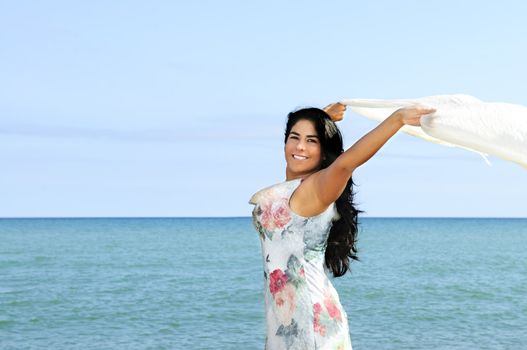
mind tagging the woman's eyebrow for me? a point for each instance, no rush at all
(297, 134)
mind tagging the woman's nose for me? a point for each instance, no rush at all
(301, 145)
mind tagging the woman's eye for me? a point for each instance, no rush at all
(312, 140)
(293, 137)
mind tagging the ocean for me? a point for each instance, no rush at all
(196, 283)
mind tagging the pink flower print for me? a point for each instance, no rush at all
(275, 214)
(302, 273)
(285, 304)
(316, 309)
(277, 281)
(317, 327)
(333, 310)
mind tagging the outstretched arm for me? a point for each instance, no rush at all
(370, 143)
(329, 183)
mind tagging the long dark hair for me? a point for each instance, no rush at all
(341, 246)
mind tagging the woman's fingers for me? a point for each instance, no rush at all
(412, 115)
(423, 109)
(427, 111)
(335, 111)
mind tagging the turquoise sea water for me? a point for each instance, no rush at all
(197, 284)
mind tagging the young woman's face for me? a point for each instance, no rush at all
(302, 150)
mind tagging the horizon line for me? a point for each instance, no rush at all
(248, 217)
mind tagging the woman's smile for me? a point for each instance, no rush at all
(299, 157)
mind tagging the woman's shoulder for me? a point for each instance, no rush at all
(278, 189)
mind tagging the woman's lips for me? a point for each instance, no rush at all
(297, 157)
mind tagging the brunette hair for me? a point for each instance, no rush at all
(341, 244)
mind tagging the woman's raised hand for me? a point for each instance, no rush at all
(336, 111)
(412, 115)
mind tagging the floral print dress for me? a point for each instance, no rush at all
(302, 307)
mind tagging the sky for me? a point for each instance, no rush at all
(178, 108)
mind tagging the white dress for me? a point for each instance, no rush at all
(302, 307)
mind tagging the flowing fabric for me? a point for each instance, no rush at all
(498, 129)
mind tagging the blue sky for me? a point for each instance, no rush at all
(177, 108)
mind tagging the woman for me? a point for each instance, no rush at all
(308, 226)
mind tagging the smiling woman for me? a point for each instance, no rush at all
(308, 227)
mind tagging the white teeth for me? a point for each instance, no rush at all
(299, 157)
